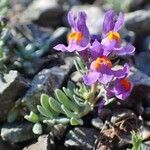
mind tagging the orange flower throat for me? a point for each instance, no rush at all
(114, 36)
(126, 84)
(77, 36)
(102, 61)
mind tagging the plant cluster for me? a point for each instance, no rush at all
(103, 81)
(3, 36)
(15, 54)
(136, 140)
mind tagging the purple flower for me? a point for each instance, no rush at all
(101, 70)
(96, 50)
(79, 38)
(111, 38)
(91, 53)
(121, 88)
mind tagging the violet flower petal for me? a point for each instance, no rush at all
(71, 20)
(70, 48)
(108, 44)
(91, 78)
(82, 27)
(120, 22)
(96, 50)
(106, 75)
(105, 78)
(109, 22)
(121, 73)
(129, 49)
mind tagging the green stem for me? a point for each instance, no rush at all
(92, 93)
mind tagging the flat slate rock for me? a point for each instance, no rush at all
(138, 21)
(12, 86)
(46, 81)
(81, 138)
(17, 132)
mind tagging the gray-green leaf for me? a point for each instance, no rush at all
(74, 121)
(32, 117)
(44, 112)
(65, 101)
(37, 128)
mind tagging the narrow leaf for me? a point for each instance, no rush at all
(74, 121)
(65, 101)
(71, 86)
(44, 111)
(68, 92)
(76, 65)
(68, 112)
(45, 104)
(80, 63)
(44, 101)
(55, 105)
(79, 101)
(32, 117)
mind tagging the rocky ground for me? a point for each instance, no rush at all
(34, 67)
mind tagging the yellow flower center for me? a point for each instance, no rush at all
(77, 36)
(114, 36)
(102, 61)
(126, 84)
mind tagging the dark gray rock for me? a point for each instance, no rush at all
(129, 36)
(138, 21)
(97, 123)
(94, 19)
(7, 146)
(46, 81)
(17, 132)
(43, 143)
(120, 114)
(146, 100)
(104, 114)
(81, 138)
(57, 37)
(58, 131)
(135, 4)
(44, 13)
(146, 113)
(37, 34)
(142, 60)
(138, 99)
(146, 44)
(138, 77)
(12, 86)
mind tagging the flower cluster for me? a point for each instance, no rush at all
(96, 53)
